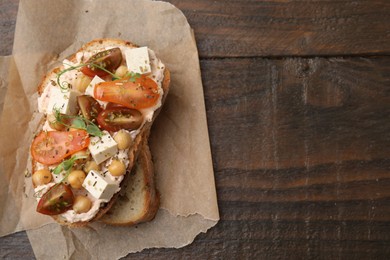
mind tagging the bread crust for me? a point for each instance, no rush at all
(138, 141)
(151, 199)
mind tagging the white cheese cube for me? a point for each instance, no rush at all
(63, 100)
(102, 148)
(91, 87)
(137, 60)
(100, 186)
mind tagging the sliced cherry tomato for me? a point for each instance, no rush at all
(56, 200)
(142, 93)
(89, 107)
(117, 118)
(53, 146)
(113, 105)
(108, 59)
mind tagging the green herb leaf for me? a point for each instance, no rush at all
(57, 115)
(64, 166)
(57, 170)
(67, 165)
(79, 123)
(133, 76)
(92, 129)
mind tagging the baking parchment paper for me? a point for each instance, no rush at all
(48, 31)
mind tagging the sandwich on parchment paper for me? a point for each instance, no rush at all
(99, 106)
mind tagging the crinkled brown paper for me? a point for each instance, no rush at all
(47, 31)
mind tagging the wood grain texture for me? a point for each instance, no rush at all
(288, 113)
(301, 172)
(16, 246)
(301, 149)
(226, 28)
(300, 146)
(242, 28)
(8, 12)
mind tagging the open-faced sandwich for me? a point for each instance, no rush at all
(99, 105)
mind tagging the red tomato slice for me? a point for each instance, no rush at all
(89, 107)
(91, 72)
(108, 59)
(142, 93)
(56, 200)
(117, 118)
(113, 105)
(53, 146)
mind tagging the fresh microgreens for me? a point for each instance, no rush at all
(64, 85)
(94, 130)
(132, 76)
(67, 165)
(78, 122)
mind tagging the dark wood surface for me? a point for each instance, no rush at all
(298, 105)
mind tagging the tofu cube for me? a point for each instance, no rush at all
(102, 148)
(100, 186)
(63, 100)
(91, 87)
(137, 60)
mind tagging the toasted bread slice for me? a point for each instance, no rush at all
(139, 139)
(139, 201)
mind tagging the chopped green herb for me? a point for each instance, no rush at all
(78, 122)
(67, 165)
(132, 76)
(64, 85)
(92, 129)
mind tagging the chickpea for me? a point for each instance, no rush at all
(91, 165)
(85, 153)
(121, 71)
(82, 204)
(54, 123)
(41, 177)
(76, 179)
(117, 168)
(123, 139)
(81, 83)
(82, 153)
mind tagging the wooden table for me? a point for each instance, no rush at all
(298, 105)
